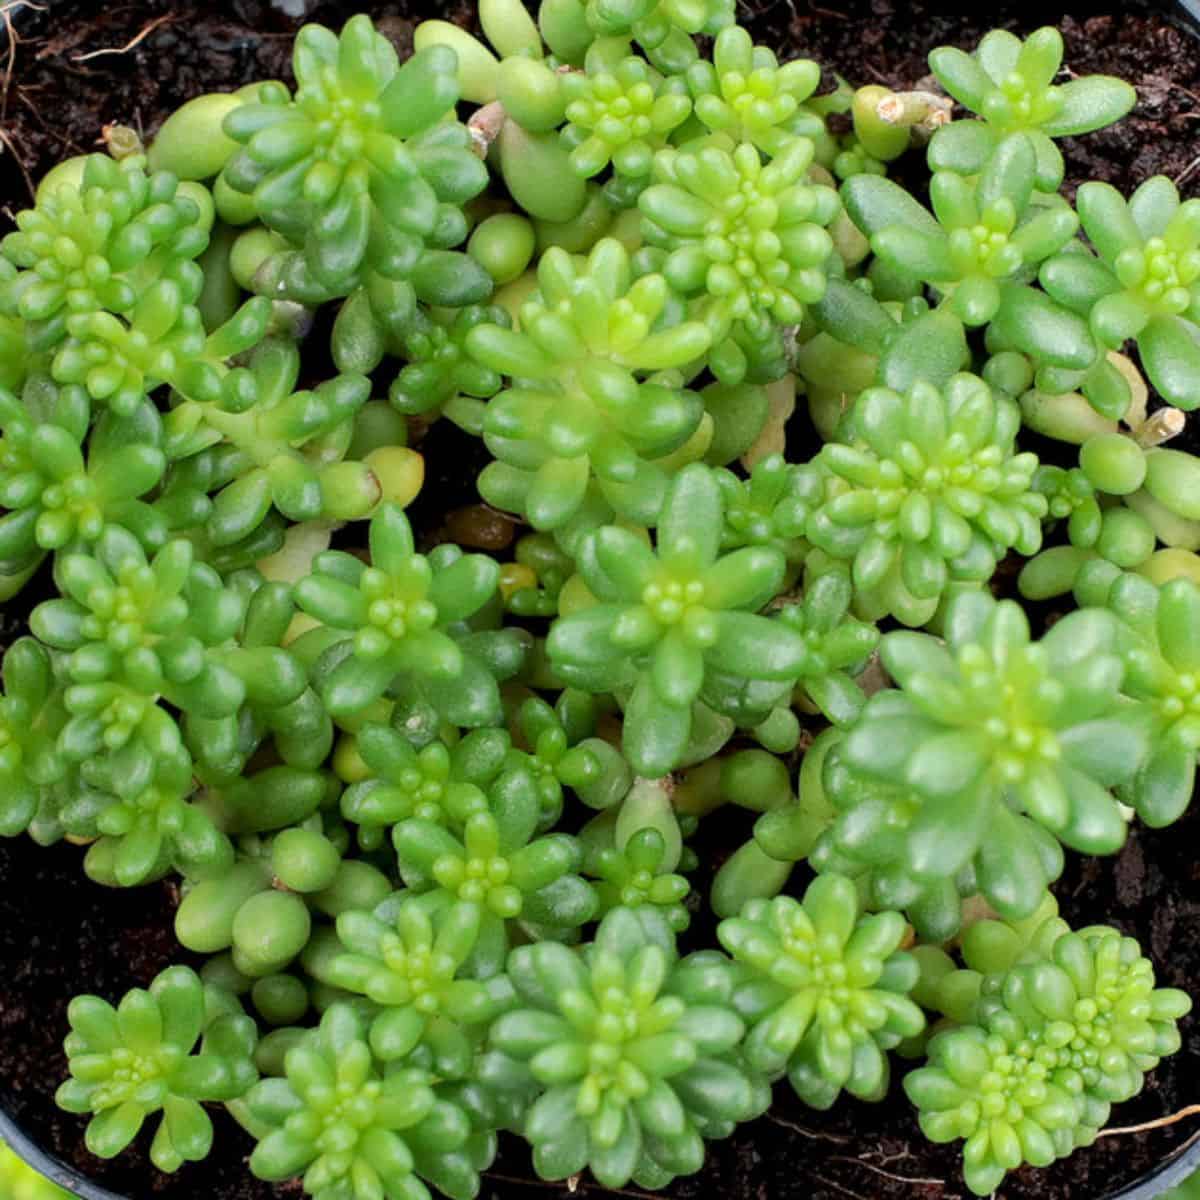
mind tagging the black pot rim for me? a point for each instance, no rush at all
(1178, 1166)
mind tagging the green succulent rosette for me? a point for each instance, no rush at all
(403, 621)
(926, 489)
(823, 990)
(577, 435)
(362, 173)
(141, 1058)
(631, 1053)
(1011, 745)
(745, 242)
(672, 625)
(352, 1129)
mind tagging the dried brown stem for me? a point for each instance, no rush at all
(1192, 1110)
(136, 40)
(862, 1162)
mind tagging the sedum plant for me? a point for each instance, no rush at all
(999, 736)
(925, 492)
(361, 173)
(131, 1062)
(1142, 282)
(583, 430)
(352, 1130)
(1008, 83)
(682, 613)
(744, 242)
(823, 991)
(631, 1051)
(1058, 1032)
(404, 615)
(746, 374)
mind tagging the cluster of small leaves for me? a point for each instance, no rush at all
(432, 807)
(1055, 1032)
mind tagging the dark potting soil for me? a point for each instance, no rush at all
(80, 65)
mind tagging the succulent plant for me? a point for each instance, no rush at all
(1012, 745)
(1057, 1037)
(358, 169)
(1143, 281)
(353, 1130)
(633, 1052)
(824, 990)
(130, 1062)
(404, 614)
(412, 968)
(577, 413)
(979, 234)
(1009, 83)
(927, 490)
(745, 94)
(499, 863)
(668, 619)
(744, 241)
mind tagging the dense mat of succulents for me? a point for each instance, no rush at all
(432, 809)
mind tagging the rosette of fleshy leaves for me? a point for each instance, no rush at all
(1009, 84)
(558, 747)
(98, 246)
(621, 116)
(403, 622)
(662, 28)
(1142, 282)
(280, 707)
(837, 645)
(867, 842)
(1071, 497)
(36, 781)
(139, 630)
(823, 990)
(638, 874)
(770, 507)
(432, 1012)
(630, 1052)
(926, 490)
(63, 488)
(110, 288)
(744, 241)
(1011, 745)
(982, 231)
(162, 341)
(351, 1128)
(142, 1057)
(147, 824)
(577, 433)
(745, 94)
(674, 623)
(288, 447)
(440, 783)
(498, 861)
(1053, 1028)
(1159, 626)
(361, 172)
(439, 377)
